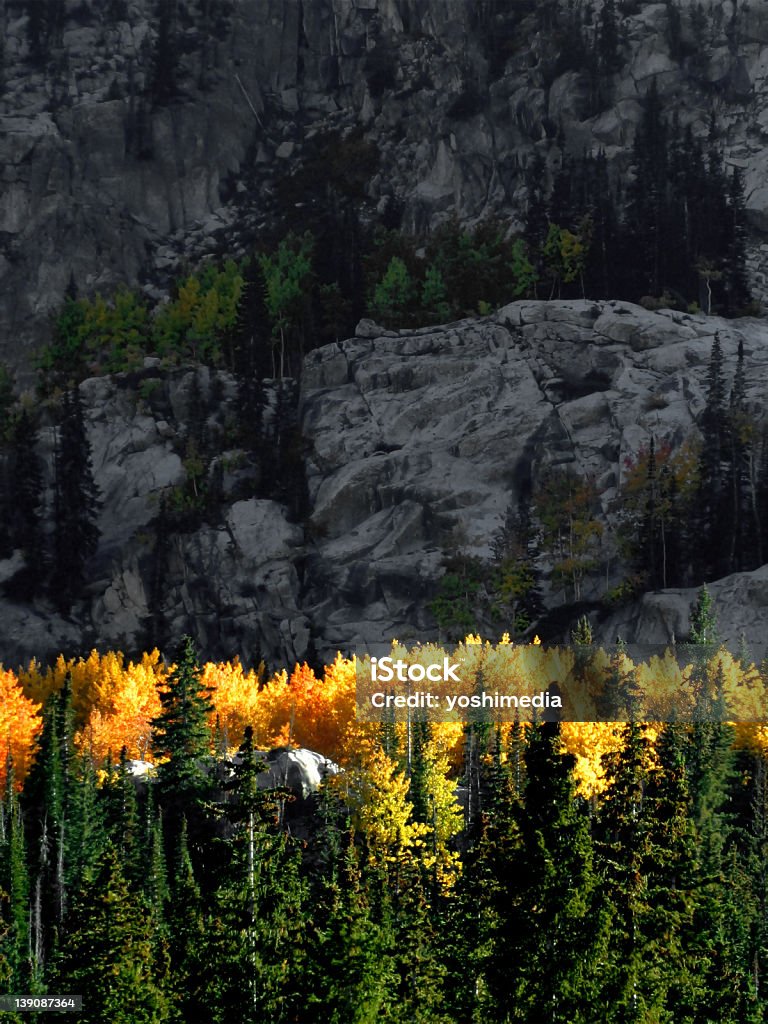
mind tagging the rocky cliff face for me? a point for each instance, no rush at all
(109, 175)
(416, 443)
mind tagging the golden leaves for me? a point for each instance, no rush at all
(20, 724)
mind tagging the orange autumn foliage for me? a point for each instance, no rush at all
(20, 724)
(235, 694)
(114, 703)
(122, 713)
(296, 710)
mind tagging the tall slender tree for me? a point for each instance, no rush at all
(181, 738)
(76, 504)
(26, 507)
(14, 890)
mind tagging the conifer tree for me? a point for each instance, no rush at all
(740, 432)
(421, 733)
(727, 917)
(671, 924)
(122, 819)
(394, 295)
(622, 846)
(550, 940)
(351, 972)
(419, 994)
(155, 877)
(755, 839)
(110, 954)
(184, 917)
(181, 733)
(14, 890)
(704, 621)
(735, 283)
(255, 932)
(26, 507)
(287, 274)
(516, 595)
(255, 954)
(647, 194)
(476, 918)
(712, 500)
(47, 799)
(75, 534)
(86, 830)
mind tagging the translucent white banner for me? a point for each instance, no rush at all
(483, 682)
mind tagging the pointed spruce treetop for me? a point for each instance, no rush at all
(181, 735)
(704, 620)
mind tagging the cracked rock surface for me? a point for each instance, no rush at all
(416, 441)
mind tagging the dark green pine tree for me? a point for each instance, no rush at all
(727, 914)
(26, 525)
(735, 276)
(351, 975)
(476, 918)
(76, 503)
(122, 820)
(47, 800)
(181, 740)
(546, 960)
(647, 196)
(388, 738)
(712, 497)
(602, 271)
(668, 924)
(110, 955)
(562, 205)
(255, 952)
(421, 732)
(500, 772)
(742, 530)
(516, 578)
(755, 846)
(704, 631)
(14, 892)
(621, 847)
(686, 173)
(414, 915)
(713, 228)
(255, 932)
(185, 930)
(86, 829)
(620, 699)
(155, 874)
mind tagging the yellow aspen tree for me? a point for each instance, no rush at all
(20, 725)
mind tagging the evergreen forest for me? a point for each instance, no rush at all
(545, 872)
